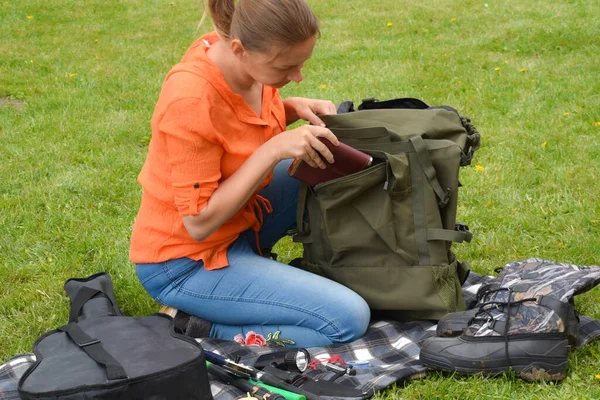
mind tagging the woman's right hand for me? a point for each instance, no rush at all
(302, 143)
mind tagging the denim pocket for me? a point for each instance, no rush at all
(179, 267)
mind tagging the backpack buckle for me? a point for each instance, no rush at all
(370, 100)
(461, 227)
(89, 343)
(444, 200)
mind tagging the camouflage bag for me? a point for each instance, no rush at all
(521, 322)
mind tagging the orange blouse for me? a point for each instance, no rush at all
(202, 132)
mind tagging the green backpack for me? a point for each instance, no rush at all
(386, 231)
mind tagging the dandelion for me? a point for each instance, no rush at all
(566, 114)
(389, 24)
(597, 123)
(544, 144)
(497, 69)
(323, 86)
(96, 40)
(72, 75)
(479, 167)
(30, 17)
(595, 221)
(172, 3)
(452, 19)
(523, 70)
(97, 57)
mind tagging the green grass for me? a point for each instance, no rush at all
(79, 80)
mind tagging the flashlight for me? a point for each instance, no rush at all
(295, 360)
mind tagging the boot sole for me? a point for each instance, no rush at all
(529, 367)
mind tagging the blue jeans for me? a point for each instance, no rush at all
(258, 294)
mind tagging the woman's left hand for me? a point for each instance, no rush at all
(307, 109)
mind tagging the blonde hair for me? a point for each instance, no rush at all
(261, 24)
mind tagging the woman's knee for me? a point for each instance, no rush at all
(354, 316)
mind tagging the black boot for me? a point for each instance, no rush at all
(454, 324)
(522, 325)
(527, 336)
(534, 272)
(187, 324)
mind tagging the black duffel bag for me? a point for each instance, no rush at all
(102, 354)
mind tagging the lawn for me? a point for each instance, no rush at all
(78, 84)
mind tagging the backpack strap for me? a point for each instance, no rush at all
(448, 235)
(473, 143)
(427, 167)
(419, 211)
(93, 348)
(463, 270)
(302, 234)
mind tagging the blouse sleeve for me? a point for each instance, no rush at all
(194, 150)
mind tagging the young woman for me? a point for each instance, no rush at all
(215, 184)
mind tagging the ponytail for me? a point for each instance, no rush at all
(221, 12)
(261, 24)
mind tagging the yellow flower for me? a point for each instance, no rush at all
(30, 17)
(566, 114)
(452, 19)
(323, 86)
(597, 123)
(389, 24)
(479, 167)
(72, 75)
(497, 69)
(595, 221)
(96, 40)
(544, 144)
(172, 3)
(523, 70)
(97, 57)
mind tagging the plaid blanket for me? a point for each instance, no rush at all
(390, 350)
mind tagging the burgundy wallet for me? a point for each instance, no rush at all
(347, 160)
